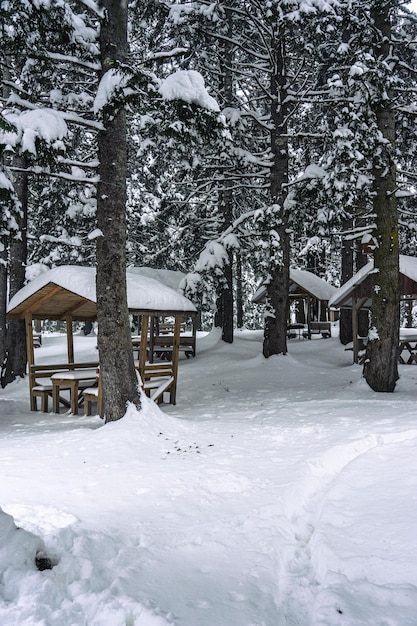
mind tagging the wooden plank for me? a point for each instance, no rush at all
(70, 339)
(30, 356)
(143, 345)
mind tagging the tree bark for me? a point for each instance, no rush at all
(277, 301)
(3, 304)
(381, 366)
(345, 317)
(117, 370)
(16, 353)
(239, 291)
(225, 303)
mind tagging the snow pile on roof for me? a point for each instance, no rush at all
(315, 285)
(309, 282)
(357, 279)
(188, 85)
(143, 292)
(170, 278)
(408, 267)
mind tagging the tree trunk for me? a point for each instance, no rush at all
(224, 318)
(363, 314)
(239, 291)
(117, 370)
(277, 301)
(16, 353)
(345, 318)
(3, 304)
(381, 366)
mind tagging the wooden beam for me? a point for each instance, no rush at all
(70, 339)
(35, 305)
(175, 356)
(143, 345)
(30, 351)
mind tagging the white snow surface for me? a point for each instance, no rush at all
(188, 85)
(143, 292)
(275, 492)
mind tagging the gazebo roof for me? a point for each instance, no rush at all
(362, 283)
(170, 278)
(71, 290)
(302, 283)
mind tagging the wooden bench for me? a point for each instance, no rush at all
(319, 328)
(92, 395)
(162, 345)
(37, 340)
(43, 389)
(159, 378)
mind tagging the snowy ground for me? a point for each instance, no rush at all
(276, 492)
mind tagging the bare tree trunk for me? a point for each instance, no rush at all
(239, 291)
(3, 304)
(13, 334)
(345, 318)
(117, 370)
(224, 317)
(381, 366)
(16, 354)
(277, 301)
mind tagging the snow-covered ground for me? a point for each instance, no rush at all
(276, 492)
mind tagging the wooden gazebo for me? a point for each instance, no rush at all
(357, 292)
(68, 293)
(308, 288)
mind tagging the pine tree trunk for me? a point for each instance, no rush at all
(16, 357)
(381, 367)
(225, 299)
(345, 318)
(3, 305)
(239, 291)
(277, 301)
(117, 371)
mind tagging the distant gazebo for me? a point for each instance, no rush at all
(308, 288)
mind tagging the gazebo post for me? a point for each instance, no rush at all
(175, 356)
(143, 344)
(30, 351)
(308, 316)
(70, 339)
(356, 307)
(355, 330)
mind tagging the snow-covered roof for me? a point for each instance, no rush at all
(306, 281)
(170, 278)
(72, 289)
(312, 284)
(408, 266)
(343, 296)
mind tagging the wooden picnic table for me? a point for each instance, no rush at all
(407, 350)
(74, 380)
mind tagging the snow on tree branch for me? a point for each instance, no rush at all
(188, 85)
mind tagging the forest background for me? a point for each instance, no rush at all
(299, 144)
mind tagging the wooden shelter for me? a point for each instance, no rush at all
(68, 293)
(357, 292)
(308, 288)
